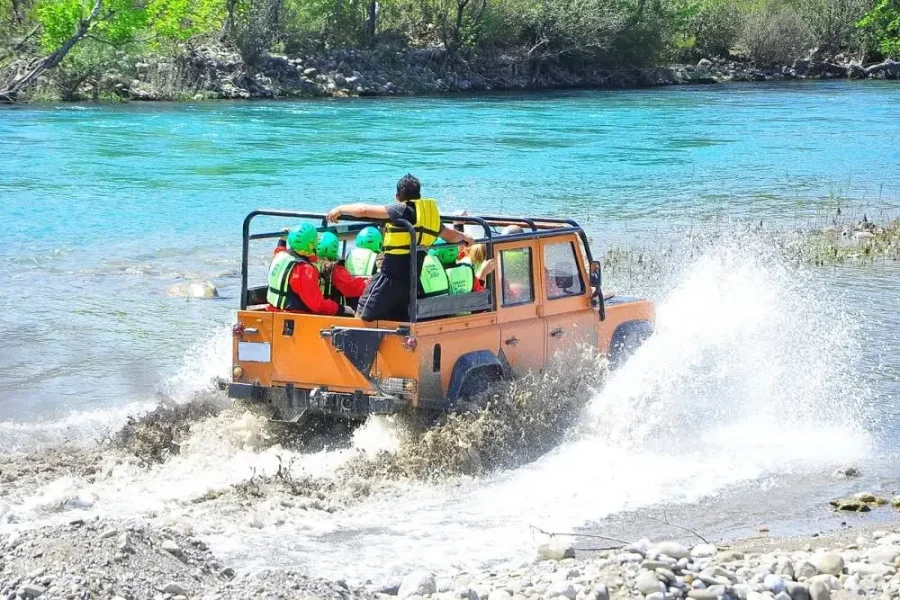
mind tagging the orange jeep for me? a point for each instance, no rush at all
(543, 298)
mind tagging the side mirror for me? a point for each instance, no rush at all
(596, 277)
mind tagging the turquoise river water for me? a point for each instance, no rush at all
(762, 379)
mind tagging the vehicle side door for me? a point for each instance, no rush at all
(522, 329)
(566, 296)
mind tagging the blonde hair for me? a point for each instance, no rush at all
(477, 254)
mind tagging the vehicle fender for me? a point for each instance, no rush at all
(480, 362)
(627, 338)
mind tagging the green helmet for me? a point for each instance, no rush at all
(370, 239)
(302, 239)
(444, 253)
(328, 246)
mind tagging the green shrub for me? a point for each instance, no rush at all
(710, 28)
(775, 35)
(831, 23)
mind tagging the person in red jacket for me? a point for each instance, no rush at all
(336, 281)
(294, 282)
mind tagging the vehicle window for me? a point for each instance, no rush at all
(563, 277)
(515, 270)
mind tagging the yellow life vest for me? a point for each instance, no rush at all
(427, 227)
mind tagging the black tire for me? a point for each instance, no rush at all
(478, 389)
(626, 339)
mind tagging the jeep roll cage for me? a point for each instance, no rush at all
(423, 308)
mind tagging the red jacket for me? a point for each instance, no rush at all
(304, 282)
(345, 283)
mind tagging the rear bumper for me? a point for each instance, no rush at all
(291, 403)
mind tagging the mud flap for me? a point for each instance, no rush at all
(359, 346)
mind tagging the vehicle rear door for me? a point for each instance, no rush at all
(522, 329)
(566, 296)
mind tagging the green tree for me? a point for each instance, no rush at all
(882, 23)
(65, 23)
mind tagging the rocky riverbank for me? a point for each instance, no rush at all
(123, 560)
(130, 560)
(214, 73)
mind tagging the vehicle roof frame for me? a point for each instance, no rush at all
(489, 240)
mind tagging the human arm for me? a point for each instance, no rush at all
(448, 234)
(358, 210)
(486, 268)
(348, 285)
(305, 282)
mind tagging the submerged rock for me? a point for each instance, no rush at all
(869, 498)
(847, 472)
(194, 289)
(850, 505)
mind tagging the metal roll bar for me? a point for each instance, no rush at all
(406, 225)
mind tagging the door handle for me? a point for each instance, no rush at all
(511, 341)
(557, 332)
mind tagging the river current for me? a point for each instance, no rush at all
(763, 377)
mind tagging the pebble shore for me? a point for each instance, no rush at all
(831, 566)
(129, 561)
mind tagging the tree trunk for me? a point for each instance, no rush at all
(457, 26)
(372, 21)
(48, 62)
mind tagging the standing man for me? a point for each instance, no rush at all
(387, 295)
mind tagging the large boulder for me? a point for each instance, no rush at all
(417, 583)
(830, 563)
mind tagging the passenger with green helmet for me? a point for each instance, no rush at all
(294, 278)
(460, 276)
(362, 260)
(335, 280)
(433, 279)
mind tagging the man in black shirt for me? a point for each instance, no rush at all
(387, 295)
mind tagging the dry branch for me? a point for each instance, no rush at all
(665, 520)
(587, 535)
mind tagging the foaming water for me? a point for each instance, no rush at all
(741, 338)
(752, 376)
(200, 366)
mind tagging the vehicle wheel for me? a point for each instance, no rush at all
(626, 339)
(478, 390)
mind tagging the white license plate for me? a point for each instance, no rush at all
(255, 352)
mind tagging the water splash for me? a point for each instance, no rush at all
(752, 374)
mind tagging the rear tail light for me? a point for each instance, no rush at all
(410, 343)
(237, 330)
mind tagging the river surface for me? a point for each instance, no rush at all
(762, 379)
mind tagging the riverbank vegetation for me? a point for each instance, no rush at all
(71, 45)
(848, 239)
